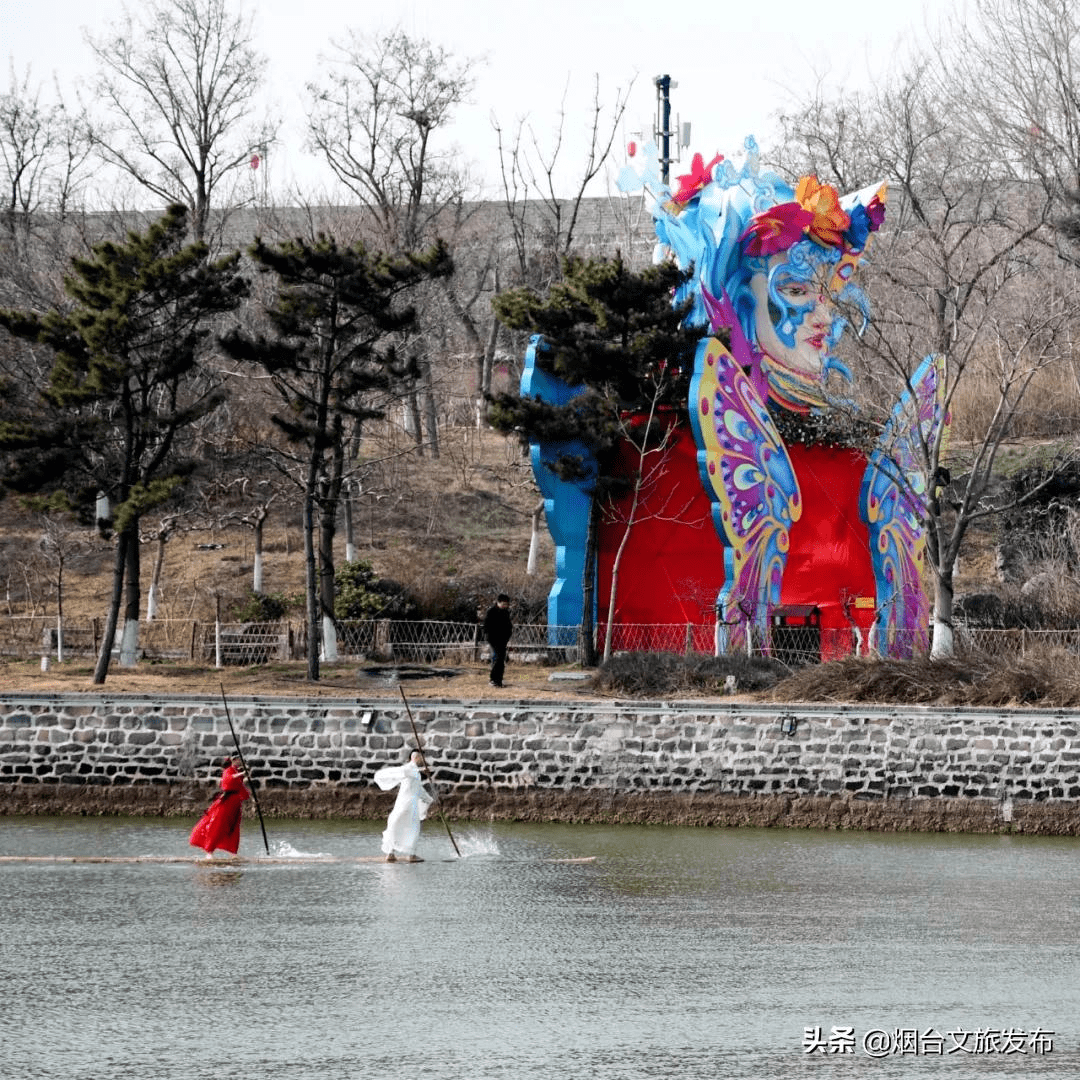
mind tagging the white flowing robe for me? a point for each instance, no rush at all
(403, 825)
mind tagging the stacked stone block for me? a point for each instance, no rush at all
(688, 748)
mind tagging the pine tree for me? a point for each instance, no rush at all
(125, 384)
(339, 316)
(615, 334)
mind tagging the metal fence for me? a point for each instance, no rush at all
(430, 641)
(244, 644)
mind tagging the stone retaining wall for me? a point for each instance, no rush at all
(693, 763)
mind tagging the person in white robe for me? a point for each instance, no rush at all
(410, 808)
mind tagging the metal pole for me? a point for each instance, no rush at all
(663, 94)
(251, 783)
(420, 751)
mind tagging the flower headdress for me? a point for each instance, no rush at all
(721, 218)
(816, 212)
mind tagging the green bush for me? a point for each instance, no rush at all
(261, 607)
(359, 594)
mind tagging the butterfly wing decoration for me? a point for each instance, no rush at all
(746, 470)
(892, 503)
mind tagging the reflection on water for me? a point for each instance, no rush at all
(216, 876)
(685, 953)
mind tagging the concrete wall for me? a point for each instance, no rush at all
(709, 763)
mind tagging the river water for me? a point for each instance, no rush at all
(674, 952)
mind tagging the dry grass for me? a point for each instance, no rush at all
(468, 682)
(446, 530)
(1051, 405)
(668, 674)
(1049, 680)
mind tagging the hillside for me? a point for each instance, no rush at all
(444, 529)
(451, 532)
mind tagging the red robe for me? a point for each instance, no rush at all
(219, 827)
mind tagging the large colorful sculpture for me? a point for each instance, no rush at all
(807, 525)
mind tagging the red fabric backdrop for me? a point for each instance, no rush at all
(672, 570)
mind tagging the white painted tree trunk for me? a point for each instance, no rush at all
(534, 539)
(943, 642)
(257, 577)
(151, 602)
(329, 640)
(129, 643)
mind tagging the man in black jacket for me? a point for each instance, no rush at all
(497, 629)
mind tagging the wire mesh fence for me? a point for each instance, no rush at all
(432, 641)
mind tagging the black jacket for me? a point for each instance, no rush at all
(497, 625)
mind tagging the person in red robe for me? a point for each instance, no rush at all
(219, 827)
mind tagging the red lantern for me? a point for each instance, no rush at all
(631, 148)
(254, 161)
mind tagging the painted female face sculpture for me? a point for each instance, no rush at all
(793, 254)
(794, 326)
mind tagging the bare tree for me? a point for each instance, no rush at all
(255, 519)
(58, 544)
(648, 437)
(44, 147)
(180, 80)
(1024, 56)
(959, 273)
(377, 117)
(543, 225)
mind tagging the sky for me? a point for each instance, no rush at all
(734, 64)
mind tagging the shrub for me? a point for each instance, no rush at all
(359, 594)
(261, 607)
(1043, 679)
(659, 674)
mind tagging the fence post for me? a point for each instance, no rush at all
(384, 650)
(217, 631)
(689, 647)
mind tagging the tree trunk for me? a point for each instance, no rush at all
(129, 641)
(413, 425)
(257, 578)
(326, 580)
(943, 643)
(329, 636)
(534, 538)
(60, 611)
(431, 414)
(630, 518)
(615, 586)
(101, 669)
(311, 586)
(155, 578)
(588, 588)
(489, 359)
(350, 524)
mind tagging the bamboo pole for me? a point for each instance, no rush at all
(420, 751)
(251, 783)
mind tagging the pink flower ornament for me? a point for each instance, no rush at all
(776, 229)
